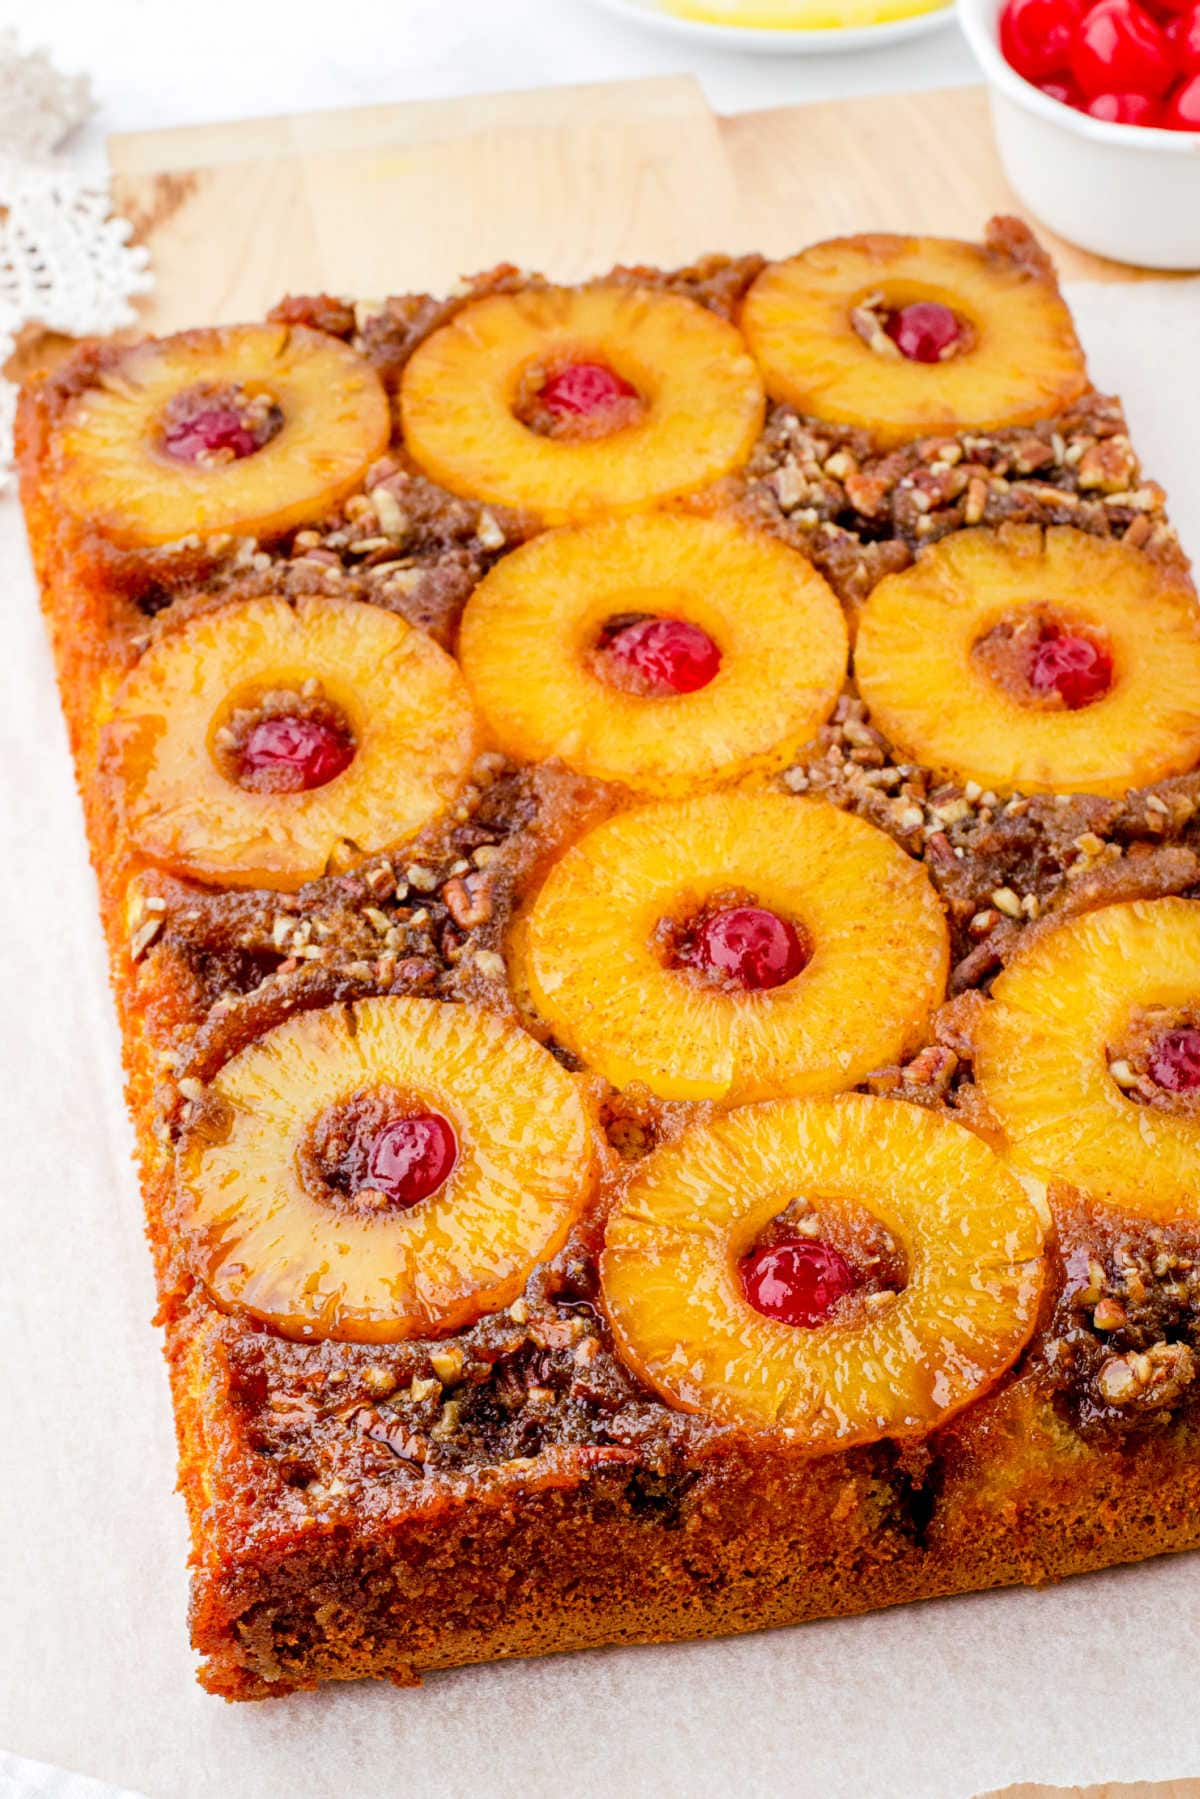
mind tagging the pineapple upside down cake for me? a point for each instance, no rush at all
(649, 837)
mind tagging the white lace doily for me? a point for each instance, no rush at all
(66, 264)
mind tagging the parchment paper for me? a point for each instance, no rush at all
(1093, 1680)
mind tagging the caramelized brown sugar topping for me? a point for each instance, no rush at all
(449, 907)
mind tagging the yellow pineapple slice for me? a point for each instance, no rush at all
(880, 1364)
(730, 652)
(391, 1169)
(204, 765)
(250, 429)
(1052, 1053)
(992, 343)
(669, 400)
(951, 655)
(799, 15)
(733, 946)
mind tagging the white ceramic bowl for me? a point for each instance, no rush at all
(1123, 191)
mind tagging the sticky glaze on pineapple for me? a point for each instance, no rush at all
(325, 419)
(599, 949)
(822, 329)
(701, 401)
(534, 649)
(923, 668)
(264, 1236)
(1042, 1061)
(404, 739)
(890, 1364)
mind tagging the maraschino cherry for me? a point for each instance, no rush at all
(208, 432)
(1062, 89)
(1035, 35)
(1183, 35)
(798, 1281)
(925, 331)
(754, 948)
(410, 1158)
(1123, 61)
(298, 750)
(1174, 1060)
(1119, 48)
(1125, 109)
(1182, 109)
(1074, 667)
(669, 655)
(582, 388)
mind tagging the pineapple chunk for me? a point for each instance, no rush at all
(592, 955)
(933, 695)
(971, 1239)
(1048, 1055)
(800, 15)
(113, 468)
(531, 629)
(402, 698)
(270, 1237)
(817, 327)
(701, 400)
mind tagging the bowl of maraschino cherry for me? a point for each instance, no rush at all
(1096, 105)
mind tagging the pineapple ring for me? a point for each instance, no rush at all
(531, 622)
(336, 422)
(932, 698)
(1041, 1055)
(267, 1243)
(589, 958)
(702, 394)
(1023, 361)
(403, 698)
(973, 1242)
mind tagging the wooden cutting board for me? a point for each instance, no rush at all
(568, 180)
(388, 199)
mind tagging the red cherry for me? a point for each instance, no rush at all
(302, 752)
(1035, 35)
(1183, 35)
(1174, 1061)
(1124, 109)
(924, 331)
(585, 387)
(750, 946)
(670, 655)
(1063, 90)
(1078, 670)
(798, 1281)
(411, 1157)
(1182, 111)
(1119, 49)
(211, 429)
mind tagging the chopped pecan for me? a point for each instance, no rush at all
(1148, 1380)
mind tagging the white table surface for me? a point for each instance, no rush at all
(176, 62)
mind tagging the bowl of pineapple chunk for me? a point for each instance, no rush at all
(786, 27)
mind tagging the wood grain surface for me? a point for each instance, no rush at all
(908, 162)
(568, 180)
(390, 199)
